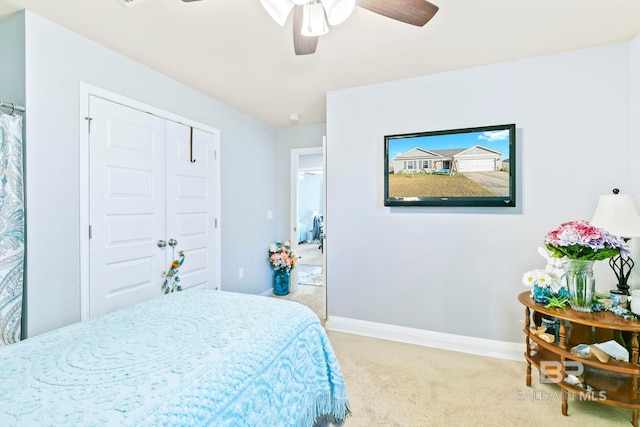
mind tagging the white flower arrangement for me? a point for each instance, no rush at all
(541, 279)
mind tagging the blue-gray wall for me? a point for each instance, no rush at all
(426, 268)
(49, 67)
(288, 139)
(458, 270)
(12, 51)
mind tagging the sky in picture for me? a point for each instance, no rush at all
(497, 140)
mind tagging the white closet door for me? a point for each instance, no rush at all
(190, 202)
(127, 205)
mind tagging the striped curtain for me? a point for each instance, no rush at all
(11, 228)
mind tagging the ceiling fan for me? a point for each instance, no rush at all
(311, 18)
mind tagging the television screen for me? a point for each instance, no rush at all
(457, 167)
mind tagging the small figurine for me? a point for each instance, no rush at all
(171, 280)
(555, 266)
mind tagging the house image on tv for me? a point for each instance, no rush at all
(473, 159)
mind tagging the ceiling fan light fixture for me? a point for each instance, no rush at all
(278, 9)
(338, 10)
(314, 22)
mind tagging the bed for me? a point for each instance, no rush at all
(197, 357)
(302, 232)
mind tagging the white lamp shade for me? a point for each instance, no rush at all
(618, 214)
(278, 9)
(313, 20)
(338, 10)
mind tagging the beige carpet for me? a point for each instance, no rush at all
(396, 384)
(309, 254)
(310, 279)
(310, 275)
(311, 296)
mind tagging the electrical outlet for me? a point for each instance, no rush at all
(241, 273)
(269, 214)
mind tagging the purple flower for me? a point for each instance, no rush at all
(581, 240)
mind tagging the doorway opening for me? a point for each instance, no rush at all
(307, 225)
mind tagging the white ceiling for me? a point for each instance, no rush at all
(233, 51)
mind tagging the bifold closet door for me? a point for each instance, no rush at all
(127, 150)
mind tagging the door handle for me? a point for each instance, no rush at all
(173, 242)
(162, 243)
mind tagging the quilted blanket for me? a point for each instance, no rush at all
(189, 358)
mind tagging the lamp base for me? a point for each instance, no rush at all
(622, 269)
(623, 295)
(620, 291)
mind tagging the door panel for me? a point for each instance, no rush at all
(190, 201)
(127, 205)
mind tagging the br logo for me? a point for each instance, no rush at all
(553, 372)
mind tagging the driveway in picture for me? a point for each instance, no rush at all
(496, 182)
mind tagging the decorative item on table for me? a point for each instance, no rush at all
(282, 260)
(541, 331)
(555, 266)
(619, 214)
(548, 286)
(602, 351)
(583, 244)
(171, 281)
(544, 286)
(552, 326)
(590, 351)
(612, 303)
(635, 302)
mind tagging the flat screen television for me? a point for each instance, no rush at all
(455, 167)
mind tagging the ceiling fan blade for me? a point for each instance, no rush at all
(303, 45)
(414, 12)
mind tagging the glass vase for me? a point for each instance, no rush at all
(281, 282)
(580, 283)
(541, 295)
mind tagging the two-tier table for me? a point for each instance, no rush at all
(613, 383)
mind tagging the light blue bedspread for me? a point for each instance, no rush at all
(189, 358)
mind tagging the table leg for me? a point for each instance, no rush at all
(527, 323)
(565, 404)
(634, 360)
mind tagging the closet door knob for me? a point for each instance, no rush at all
(162, 243)
(173, 242)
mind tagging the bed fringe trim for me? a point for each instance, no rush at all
(326, 404)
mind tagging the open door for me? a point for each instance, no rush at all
(307, 207)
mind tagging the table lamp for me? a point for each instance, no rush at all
(619, 215)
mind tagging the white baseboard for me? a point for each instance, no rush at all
(460, 343)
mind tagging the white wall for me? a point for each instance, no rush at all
(634, 74)
(458, 270)
(56, 61)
